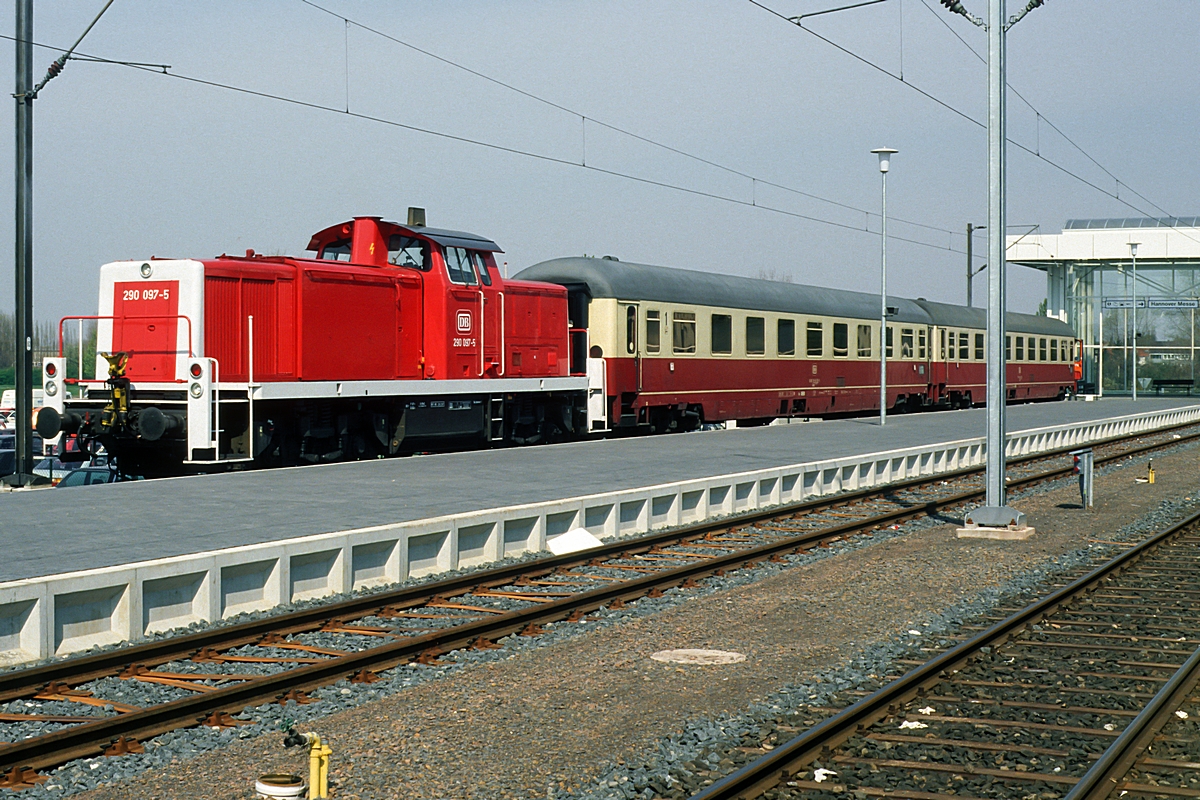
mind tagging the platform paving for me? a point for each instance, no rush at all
(51, 531)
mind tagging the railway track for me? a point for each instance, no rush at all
(216, 673)
(1084, 694)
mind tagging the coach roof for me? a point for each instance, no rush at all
(962, 317)
(642, 282)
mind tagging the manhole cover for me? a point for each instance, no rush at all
(702, 657)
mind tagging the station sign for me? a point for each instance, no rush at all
(1151, 302)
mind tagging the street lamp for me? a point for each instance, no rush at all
(1133, 246)
(885, 157)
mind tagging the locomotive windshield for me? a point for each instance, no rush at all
(408, 251)
(336, 251)
(467, 266)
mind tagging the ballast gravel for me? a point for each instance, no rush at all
(583, 712)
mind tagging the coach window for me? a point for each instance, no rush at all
(979, 347)
(407, 251)
(336, 251)
(1054, 349)
(841, 340)
(459, 267)
(943, 345)
(1008, 348)
(786, 340)
(756, 336)
(1042, 349)
(921, 349)
(652, 331)
(722, 334)
(1020, 348)
(683, 332)
(964, 346)
(815, 343)
(906, 342)
(630, 329)
(864, 341)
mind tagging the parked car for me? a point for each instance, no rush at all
(88, 476)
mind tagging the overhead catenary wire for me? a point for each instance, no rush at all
(588, 119)
(958, 112)
(164, 70)
(1042, 118)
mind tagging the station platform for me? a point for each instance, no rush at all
(101, 564)
(48, 532)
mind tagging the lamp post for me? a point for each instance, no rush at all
(885, 157)
(1133, 246)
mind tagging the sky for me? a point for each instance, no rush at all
(133, 163)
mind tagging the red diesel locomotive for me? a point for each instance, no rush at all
(396, 338)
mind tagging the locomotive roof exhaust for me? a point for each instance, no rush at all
(416, 217)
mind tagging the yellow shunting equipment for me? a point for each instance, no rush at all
(319, 754)
(318, 767)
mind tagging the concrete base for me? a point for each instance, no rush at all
(1002, 534)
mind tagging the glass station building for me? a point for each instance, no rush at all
(1090, 285)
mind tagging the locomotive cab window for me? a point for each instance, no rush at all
(630, 329)
(943, 346)
(481, 267)
(756, 336)
(906, 342)
(336, 251)
(683, 332)
(722, 334)
(864, 341)
(786, 340)
(815, 344)
(979, 347)
(459, 266)
(408, 251)
(652, 331)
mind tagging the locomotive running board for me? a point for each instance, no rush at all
(309, 390)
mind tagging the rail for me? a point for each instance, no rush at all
(86, 739)
(767, 772)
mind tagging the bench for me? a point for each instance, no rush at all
(1172, 383)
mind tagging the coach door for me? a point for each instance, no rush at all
(630, 340)
(938, 367)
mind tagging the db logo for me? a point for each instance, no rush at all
(464, 322)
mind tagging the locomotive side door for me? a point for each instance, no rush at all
(464, 306)
(491, 309)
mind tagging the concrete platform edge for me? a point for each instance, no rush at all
(70, 612)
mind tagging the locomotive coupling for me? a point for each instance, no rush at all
(152, 423)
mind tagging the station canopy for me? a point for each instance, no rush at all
(1090, 285)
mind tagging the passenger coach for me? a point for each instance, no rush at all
(681, 347)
